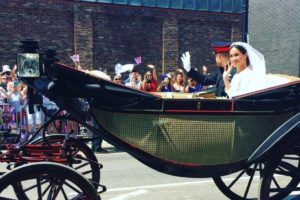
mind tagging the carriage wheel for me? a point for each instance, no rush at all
(282, 173)
(242, 185)
(88, 164)
(45, 180)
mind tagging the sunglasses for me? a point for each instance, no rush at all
(117, 79)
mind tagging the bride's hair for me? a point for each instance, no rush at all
(243, 51)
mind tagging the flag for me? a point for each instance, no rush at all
(75, 58)
(138, 60)
(7, 117)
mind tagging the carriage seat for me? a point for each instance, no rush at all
(279, 79)
(175, 95)
(97, 74)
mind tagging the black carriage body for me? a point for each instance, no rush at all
(190, 136)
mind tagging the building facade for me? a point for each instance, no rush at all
(274, 29)
(105, 33)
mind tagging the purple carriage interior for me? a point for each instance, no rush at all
(181, 134)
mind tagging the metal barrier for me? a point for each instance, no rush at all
(14, 121)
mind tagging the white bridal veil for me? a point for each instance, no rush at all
(255, 79)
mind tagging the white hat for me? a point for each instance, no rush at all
(5, 68)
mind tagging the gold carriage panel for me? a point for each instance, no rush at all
(195, 139)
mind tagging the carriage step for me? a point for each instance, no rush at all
(103, 189)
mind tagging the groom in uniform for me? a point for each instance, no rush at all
(221, 52)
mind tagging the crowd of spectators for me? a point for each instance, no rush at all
(13, 93)
(169, 82)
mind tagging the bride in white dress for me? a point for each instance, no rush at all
(250, 67)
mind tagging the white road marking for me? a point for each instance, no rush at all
(172, 184)
(131, 194)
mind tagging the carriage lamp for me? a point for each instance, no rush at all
(29, 68)
(29, 60)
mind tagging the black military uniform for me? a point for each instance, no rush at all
(214, 78)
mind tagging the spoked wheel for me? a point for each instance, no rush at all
(83, 160)
(45, 180)
(282, 173)
(242, 185)
(61, 124)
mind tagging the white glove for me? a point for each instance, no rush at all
(186, 61)
(123, 68)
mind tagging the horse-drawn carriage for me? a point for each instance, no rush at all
(188, 136)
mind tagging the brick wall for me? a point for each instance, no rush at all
(104, 34)
(119, 39)
(49, 25)
(170, 42)
(83, 36)
(274, 29)
(196, 36)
